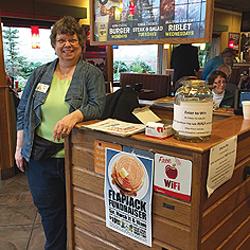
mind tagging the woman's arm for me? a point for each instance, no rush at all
(27, 92)
(65, 125)
(95, 84)
(18, 156)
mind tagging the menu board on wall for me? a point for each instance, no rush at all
(127, 21)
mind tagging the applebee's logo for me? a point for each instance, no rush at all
(170, 167)
(160, 129)
(171, 171)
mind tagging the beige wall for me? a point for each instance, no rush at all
(229, 18)
(76, 3)
(85, 3)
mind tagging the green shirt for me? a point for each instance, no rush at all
(53, 110)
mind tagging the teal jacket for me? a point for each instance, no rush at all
(86, 93)
(211, 66)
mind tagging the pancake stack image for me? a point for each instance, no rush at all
(128, 174)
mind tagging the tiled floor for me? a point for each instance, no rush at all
(20, 226)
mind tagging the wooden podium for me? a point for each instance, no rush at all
(219, 222)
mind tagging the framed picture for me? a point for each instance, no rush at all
(234, 40)
(155, 21)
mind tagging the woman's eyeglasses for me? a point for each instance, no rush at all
(220, 83)
(62, 42)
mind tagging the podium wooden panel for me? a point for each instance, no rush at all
(219, 222)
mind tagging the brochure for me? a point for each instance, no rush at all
(116, 127)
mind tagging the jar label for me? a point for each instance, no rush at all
(193, 119)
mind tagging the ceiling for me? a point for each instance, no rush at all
(42, 9)
(233, 5)
(236, 5)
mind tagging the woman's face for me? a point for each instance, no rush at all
(219, 85)
(67, 47)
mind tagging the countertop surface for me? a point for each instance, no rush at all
(222, 129)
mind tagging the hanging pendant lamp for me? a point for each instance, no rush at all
(35, 41)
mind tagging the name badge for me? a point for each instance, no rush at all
(42, 87)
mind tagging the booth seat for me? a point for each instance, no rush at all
(237, 70)
(153, 86)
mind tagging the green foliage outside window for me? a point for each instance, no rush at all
(140, 67)
(16, 66)
(118, 67)
(137, 66)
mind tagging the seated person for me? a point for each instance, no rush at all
(221, 96)
(226, 69)
(244, 82)
(226, 57)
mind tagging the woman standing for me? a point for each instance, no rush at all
(57, 96)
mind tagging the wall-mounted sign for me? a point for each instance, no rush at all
(128, 195)
(99, 154)
(173, 176)
(127, 21)
(234, 40)
(221, 164)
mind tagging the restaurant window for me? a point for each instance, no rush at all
(20, 59)
(134, 58)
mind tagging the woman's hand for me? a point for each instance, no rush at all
(18, 156)
(64, 126)
(19, 159)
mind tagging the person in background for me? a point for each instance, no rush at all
(231, 86)
(221, 96)
(244, 82)
(226, 69)
(226, 57)
(184, 61)
(57, 96)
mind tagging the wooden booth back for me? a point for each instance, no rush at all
(153, 86)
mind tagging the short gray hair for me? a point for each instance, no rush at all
(67, 25)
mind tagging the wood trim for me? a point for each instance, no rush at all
(244, 244)
(196, 200)
(239, 237)
(2, 71)
(110, 64)
(215, 213)
(7, 124)
(223, 230)
(68, 180)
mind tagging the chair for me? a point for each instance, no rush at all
(120, 104)
(154, 86)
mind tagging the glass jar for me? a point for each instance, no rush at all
(193, 111)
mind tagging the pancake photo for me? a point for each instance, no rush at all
(128, 175)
